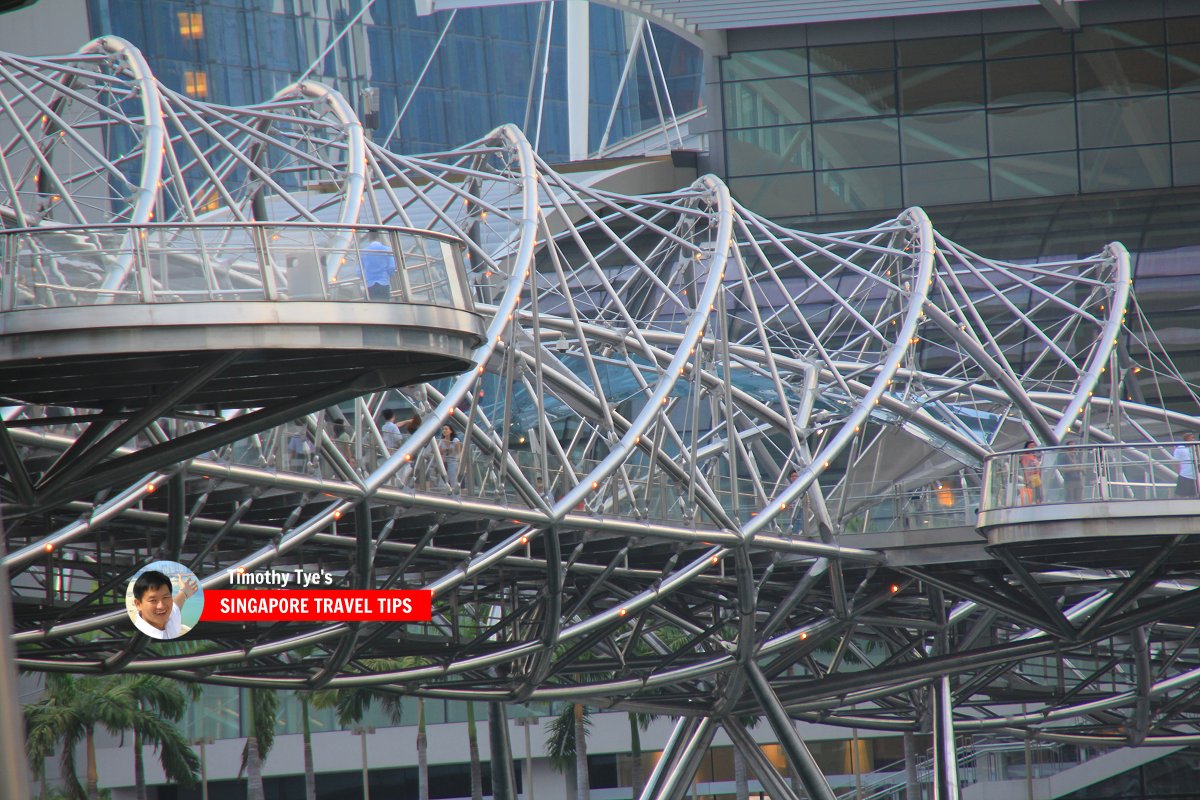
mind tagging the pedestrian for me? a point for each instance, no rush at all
(378, 267)
(1184, 455)
(1031, 475)
(390, 432)
(1070, 467)
(450, 450)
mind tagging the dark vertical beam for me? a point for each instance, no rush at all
(504, 782)
(685, 728)
(13, 766)
(797, 752)
(765, 771)
(945, 756)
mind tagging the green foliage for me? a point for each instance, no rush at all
(264, 717)
(560, 739)
(353, 702)
(73, 707)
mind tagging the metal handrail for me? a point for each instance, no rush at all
(67, 265)
(1081, 473)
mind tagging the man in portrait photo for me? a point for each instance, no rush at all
(158, 614)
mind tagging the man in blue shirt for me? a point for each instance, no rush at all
(378, 266)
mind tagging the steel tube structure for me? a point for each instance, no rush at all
(706, 464)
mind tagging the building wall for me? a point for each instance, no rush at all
(963, 108)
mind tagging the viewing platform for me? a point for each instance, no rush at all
(1106, 506)
(109, 315)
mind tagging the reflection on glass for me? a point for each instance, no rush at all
(1026, 43)
(786, 148)
(858, 190)
(1120, 34)
(1115, 73)
(1030, 80)
(776, 196)
(1134, 120)
(942, 88)
(1185, 116)
(856, 144)
(851, 57)
(943, 136)
(854, 95)
(764, 64)
(1034, 176)
(1187, 163)
(1184, 64)
(1125, 168)
(1031, 130)
(1183, 29)
(946, 183)
(773, 102)
(942, 50)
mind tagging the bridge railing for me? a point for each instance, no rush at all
(68, 266)
(1086, 473)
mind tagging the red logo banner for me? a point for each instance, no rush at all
(310, 605)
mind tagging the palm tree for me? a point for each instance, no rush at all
(638, 722)
(566, 746)
(310, 777)
(422, 753)
(260, 738)
(473, 752)
(73, 707)
(351, 705)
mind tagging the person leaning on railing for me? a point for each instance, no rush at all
(1070, 468)
(378, 266)
(1184, 456)
(1031, 475)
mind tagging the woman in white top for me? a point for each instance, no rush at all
(450, 449)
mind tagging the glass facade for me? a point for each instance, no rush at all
(875, 126)
(238, 52)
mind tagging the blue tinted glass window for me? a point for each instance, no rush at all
(1184, 65)
(938, 137)
(942, 50)
(851, 57)
(858, 190)
(777, 196)
(946, 183)
(1125, 168)
(845, 96)
(1034, 175)
(941, 88)
(770, 102)
(1030, 80)
(1134, 120)
(765, 64)
(1032, 129)
(785, 148)
(856, 144)
(1114, 73)
(1185, 116)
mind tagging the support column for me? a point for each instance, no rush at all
(797, 752)
(679, 776)
(945, 757)
(504, 783)
(579, 50)
(13, 767)
(767, 775)
(677, 743)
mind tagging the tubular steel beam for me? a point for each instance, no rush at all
(798, 754)
(945, 754)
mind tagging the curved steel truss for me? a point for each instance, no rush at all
(707, 459)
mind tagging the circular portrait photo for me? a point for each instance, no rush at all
(164, 599)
